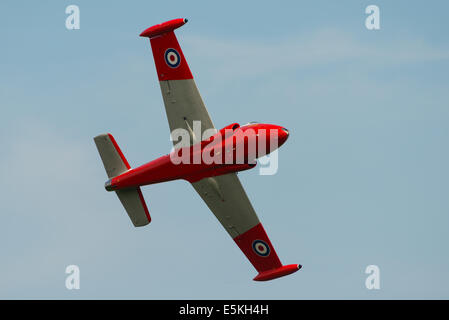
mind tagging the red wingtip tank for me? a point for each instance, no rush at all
(163, 27)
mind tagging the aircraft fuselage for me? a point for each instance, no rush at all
(232, 149)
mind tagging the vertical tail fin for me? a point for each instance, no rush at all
(115, 164)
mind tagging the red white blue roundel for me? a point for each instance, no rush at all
(172, 58)
(261, 248)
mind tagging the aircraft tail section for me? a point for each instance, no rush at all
(113, 159)
(115, 164)
(134, 204)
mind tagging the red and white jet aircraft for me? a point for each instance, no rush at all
(217, 182)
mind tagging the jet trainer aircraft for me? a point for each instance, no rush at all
(216, 182)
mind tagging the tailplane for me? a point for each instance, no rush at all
(115, 164)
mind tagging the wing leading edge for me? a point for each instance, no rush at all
(224, 195)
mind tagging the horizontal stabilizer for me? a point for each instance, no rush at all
(113, 159)
(115, 164)
(134, 204)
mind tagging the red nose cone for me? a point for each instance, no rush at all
(283, 135)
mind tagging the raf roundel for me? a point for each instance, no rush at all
(172, 58)
(261, 248)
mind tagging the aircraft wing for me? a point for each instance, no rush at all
(182, 100)
(226, 198)
(224, 194)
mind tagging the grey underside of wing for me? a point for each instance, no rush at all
(183, 105)
(226, 198)
(224, 195)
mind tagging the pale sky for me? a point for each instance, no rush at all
(362, 180)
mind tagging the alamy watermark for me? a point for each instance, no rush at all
(373, 280)
(72, 22)
(229, 146)
(372, 22)
(73, 279)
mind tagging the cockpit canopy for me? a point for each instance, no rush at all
(252, 122)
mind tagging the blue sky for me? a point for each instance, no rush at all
(362, 180)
